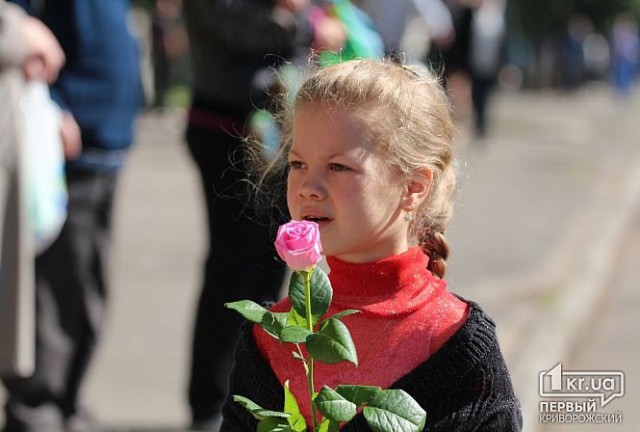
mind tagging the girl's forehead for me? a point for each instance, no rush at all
(325, 111)
(323, 131)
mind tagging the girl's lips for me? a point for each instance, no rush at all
(324, 222)
(320, 220)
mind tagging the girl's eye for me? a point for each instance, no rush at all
(295, 165)
(337, 167)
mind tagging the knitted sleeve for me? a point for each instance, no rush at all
(468, 387)
(251, 377)
(507, 419)
(481, 401)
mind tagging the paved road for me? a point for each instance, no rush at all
(525, 200)
(611, 341)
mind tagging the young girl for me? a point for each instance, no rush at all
(369, 159)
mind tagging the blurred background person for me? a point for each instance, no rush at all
(235, 47)
(486, 51)
(99, 89)
(579, 28)
(625, 53)
(390, 19)
(453, 58)
(162, 16)
(169, 42)
(470, 59)
(28, 50)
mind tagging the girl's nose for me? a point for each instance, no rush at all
(312, 187)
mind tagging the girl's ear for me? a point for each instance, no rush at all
(417, 189)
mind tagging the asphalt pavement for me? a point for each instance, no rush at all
(609, 341)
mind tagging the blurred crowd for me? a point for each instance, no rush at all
(101, 73)
(579, 50)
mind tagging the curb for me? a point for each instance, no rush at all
(566, 298)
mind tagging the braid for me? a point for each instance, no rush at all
(435, 246)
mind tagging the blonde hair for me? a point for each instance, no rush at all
(407, 113)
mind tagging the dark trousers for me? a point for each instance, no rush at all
(71, 289)
(481, 89)
(241, 264)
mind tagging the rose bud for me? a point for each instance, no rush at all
(298, 244)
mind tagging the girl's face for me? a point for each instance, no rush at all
(340, 180)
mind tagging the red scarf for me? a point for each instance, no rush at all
(407, 314)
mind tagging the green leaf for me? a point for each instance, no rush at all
(332, 344)
(250, 310)
(296, 421)
(297, 356)
(321, 293)
(294, 319)
(328, 426)
(395, 410)
(256, 410)
(333, 406)
(358, 394)
(345, 313)
(282, 318)
(273, 424)
(273, 323)
(295, 334)
(248, 404)
(297, 293)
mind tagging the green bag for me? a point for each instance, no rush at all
(363, 41)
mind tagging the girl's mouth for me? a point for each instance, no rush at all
(320, 220)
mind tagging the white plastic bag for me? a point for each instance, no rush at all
(46, 185)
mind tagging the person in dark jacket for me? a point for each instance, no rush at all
(99, 89)
(235, 47)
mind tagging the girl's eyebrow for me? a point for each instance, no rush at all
(331, 156)
(294, 153)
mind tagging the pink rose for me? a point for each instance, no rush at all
(298, 244)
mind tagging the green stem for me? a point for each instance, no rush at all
(312, 391)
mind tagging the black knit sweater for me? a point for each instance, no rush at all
(464, 386)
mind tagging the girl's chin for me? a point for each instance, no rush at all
(327, 250)
(323, 224)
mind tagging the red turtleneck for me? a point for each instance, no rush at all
(406, 315)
